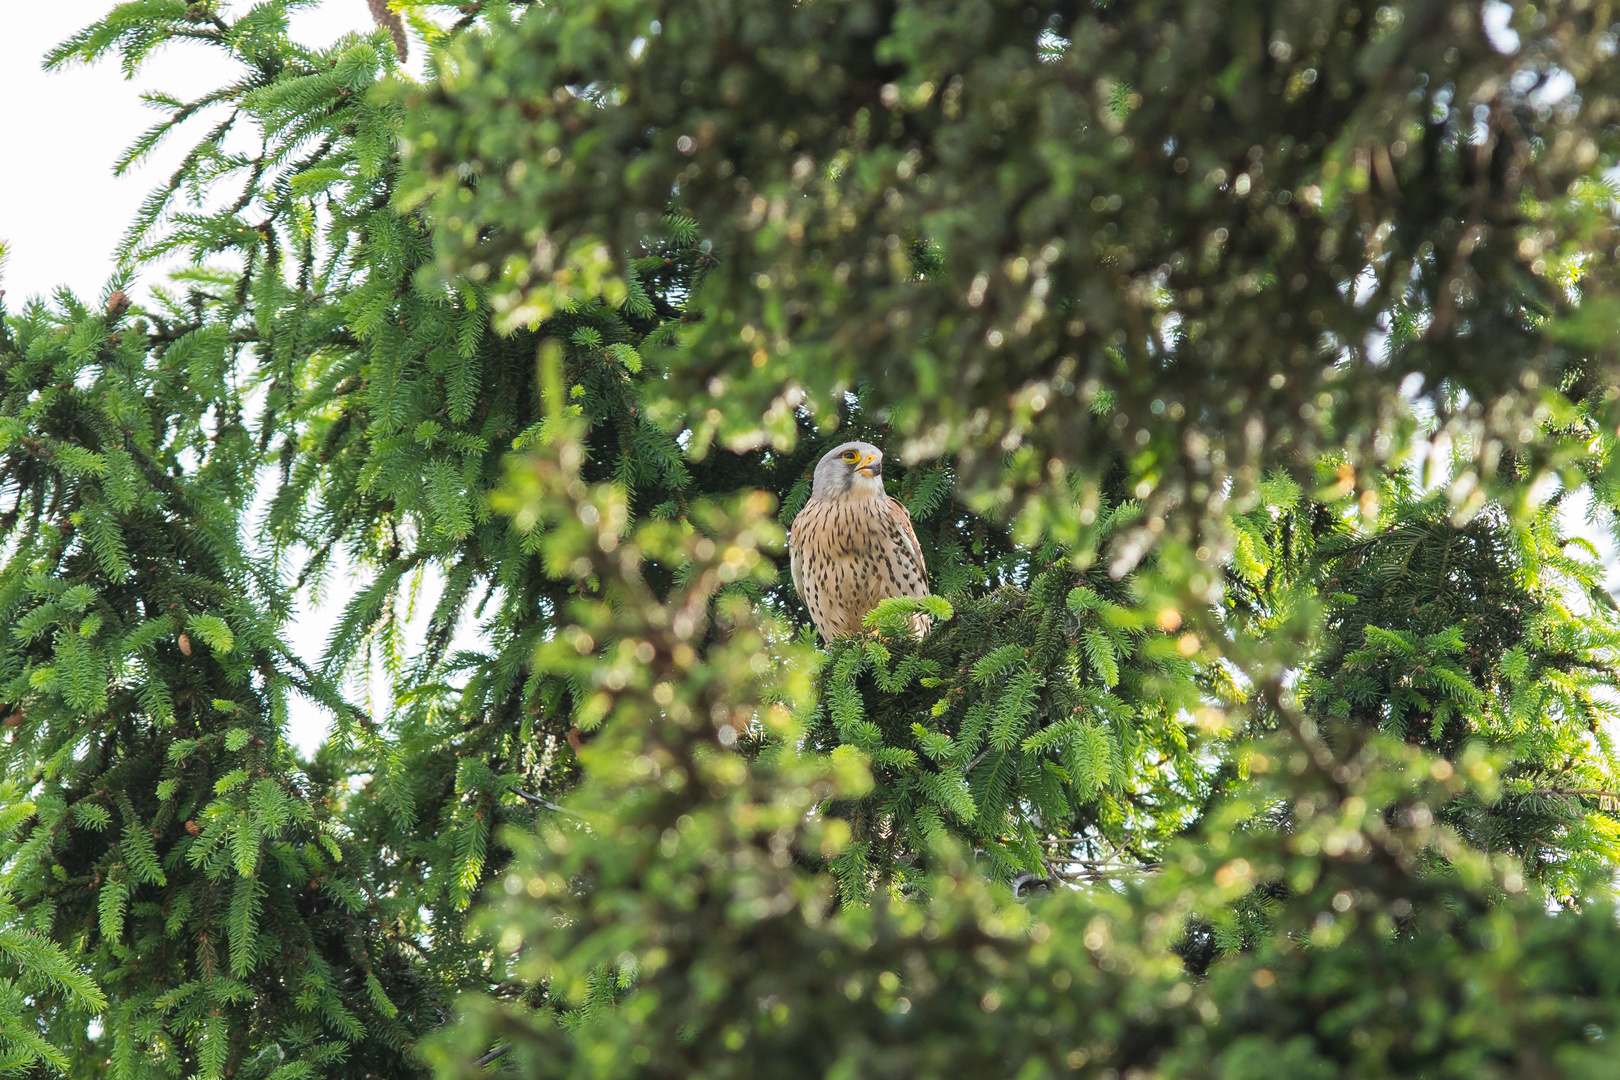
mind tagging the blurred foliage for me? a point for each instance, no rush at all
(1213, 238)
(1245, 365)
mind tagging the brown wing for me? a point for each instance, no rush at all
(808, 554)
(795, 542)
(902, 518)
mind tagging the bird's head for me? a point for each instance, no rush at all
(853, 468)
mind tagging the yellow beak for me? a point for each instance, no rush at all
(871, 466)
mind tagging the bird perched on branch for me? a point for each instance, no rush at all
(853, 545)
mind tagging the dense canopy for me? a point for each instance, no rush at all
(1248, 374)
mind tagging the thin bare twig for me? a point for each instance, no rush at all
(494, 1055)
(529, 796)
(1101, 873)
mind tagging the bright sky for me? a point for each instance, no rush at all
(62, 212)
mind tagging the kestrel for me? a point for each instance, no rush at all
(853, 545)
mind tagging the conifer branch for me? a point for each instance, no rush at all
(1590, 793)
(388, 17)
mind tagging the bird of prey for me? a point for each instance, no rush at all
(853, 545)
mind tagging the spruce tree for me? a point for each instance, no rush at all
(1246, 742)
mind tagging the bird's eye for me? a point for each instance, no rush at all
(850, 455)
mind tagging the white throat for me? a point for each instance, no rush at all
(862, 487)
